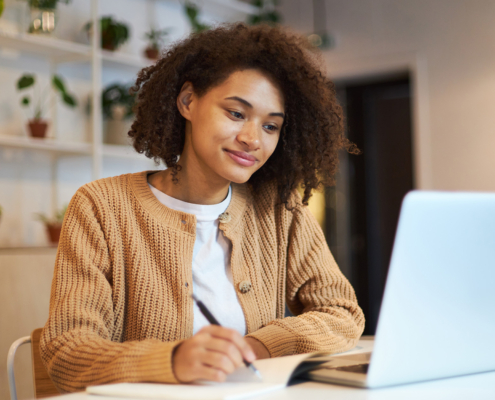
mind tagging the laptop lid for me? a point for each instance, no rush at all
(437, 317)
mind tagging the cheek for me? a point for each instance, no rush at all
(218, 127)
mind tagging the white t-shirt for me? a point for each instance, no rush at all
(211, 271)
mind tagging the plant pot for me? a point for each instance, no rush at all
(53, 231)
(38, 128)
(42, 20)
(152, 53)
(107, 45)
(116, 131)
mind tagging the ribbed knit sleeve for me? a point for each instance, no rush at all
(82, 342)
(328, 317)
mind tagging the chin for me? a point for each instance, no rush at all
(238, 178)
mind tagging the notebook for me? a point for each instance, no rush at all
(437, 314)
(242, 384)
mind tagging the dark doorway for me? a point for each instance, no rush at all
(372, 185)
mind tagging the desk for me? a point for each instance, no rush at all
(470, 387)
(473, 387)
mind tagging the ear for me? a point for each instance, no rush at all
(184, 100)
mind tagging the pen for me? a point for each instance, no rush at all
(212, 320)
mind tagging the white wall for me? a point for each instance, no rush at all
(450, 47)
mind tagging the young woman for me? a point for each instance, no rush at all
(241, 116)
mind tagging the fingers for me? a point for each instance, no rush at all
(212, 354)
(227, 348)
(210, 374)
(219, 361)
(233, 337)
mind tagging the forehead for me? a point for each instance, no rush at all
(253, 86)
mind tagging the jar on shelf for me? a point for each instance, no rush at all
(43, 20)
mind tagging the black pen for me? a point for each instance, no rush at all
(212, 320)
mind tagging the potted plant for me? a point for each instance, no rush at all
(192, 12)
(113, 33)
(155, 40)
(53, 225)
(266, 14)
(43, 15)
(117, 106)
(37, 124)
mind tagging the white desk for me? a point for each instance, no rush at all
(471, 387)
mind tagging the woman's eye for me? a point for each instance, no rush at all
(271, 127)
(236, 114)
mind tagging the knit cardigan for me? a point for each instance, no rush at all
(120, 299)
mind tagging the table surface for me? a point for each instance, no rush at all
(476, 386)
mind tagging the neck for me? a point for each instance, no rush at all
(192, 187)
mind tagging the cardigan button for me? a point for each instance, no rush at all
(245, 286)
(224, 217)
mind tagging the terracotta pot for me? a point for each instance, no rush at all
(107, 42)
(53, 231)
(37, 128)
(152, 53)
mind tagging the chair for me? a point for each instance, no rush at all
(43, 385)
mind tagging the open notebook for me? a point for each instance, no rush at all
(276, 373)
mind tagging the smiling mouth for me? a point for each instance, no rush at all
(241, 158)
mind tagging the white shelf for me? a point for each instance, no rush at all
(121, 151)
(57, 50)
(235, 5)
(55, 146)
(65, 51)
(232, 5)
(119, 59)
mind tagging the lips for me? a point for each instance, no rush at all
(242, 158)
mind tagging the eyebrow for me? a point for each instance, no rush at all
(247, 103)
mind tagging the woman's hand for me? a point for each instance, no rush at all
(211, 354)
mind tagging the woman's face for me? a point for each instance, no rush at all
(232, 129)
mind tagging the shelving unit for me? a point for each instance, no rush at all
(51, 145)
(59, 51)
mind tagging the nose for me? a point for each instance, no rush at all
(249, 136)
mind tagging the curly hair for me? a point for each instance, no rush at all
(313, 128)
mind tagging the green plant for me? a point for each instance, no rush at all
(113, 33)
(267, 13)
(156, 38)
(56, 220)
(117, 102)
(192, 13)
(1, 7)
(39, 99)
(46, 4)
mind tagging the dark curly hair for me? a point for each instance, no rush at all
(313, 129)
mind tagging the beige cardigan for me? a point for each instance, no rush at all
(120, 294)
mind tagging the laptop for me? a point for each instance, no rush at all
(437, 317)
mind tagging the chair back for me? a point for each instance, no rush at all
(43, 384)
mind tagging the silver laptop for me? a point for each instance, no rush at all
(437, 317)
